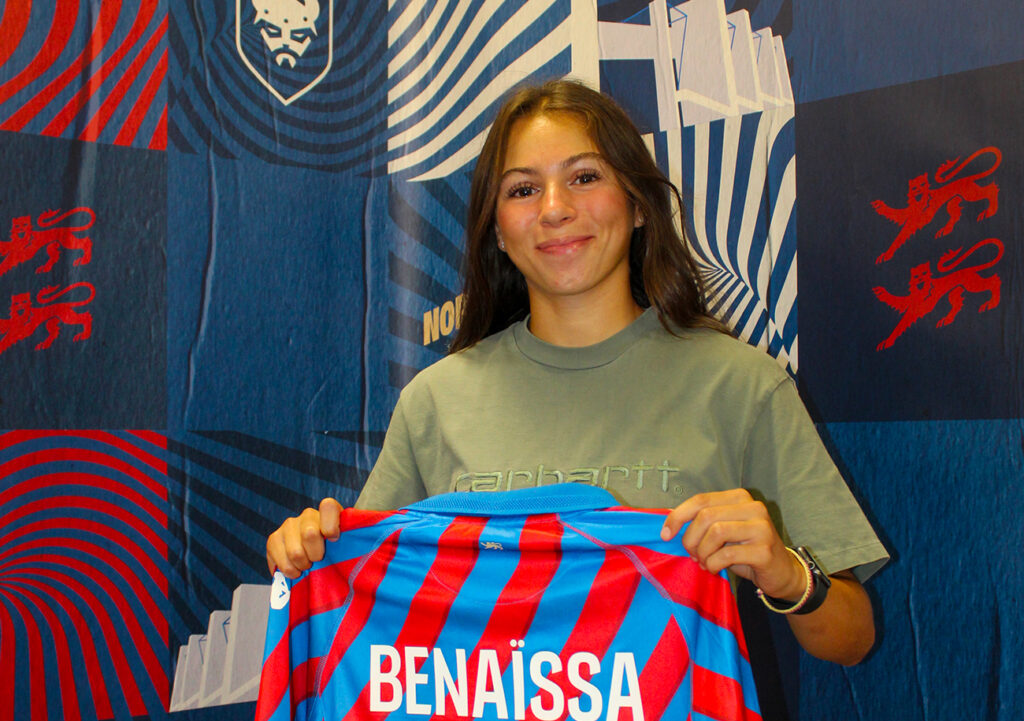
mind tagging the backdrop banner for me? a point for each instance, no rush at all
(237, 231)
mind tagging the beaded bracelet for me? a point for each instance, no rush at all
(803, 599)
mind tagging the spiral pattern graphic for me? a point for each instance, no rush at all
(83, 575)
(87, 71)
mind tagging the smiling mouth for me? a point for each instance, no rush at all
(563, 245)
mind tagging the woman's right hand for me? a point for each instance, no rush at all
(299, 542)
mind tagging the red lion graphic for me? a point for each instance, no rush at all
(924, 201)
(27, 241)
(926, 291)
(25, 318)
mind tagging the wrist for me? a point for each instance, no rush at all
(799, 581)
(815, 587)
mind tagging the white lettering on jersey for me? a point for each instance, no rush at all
(387, 692)
(624, 670)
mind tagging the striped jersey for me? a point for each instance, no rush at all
(542, 603)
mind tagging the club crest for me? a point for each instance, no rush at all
(285, 42)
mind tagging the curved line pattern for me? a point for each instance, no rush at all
(39, 59)
(88, 91)
(441, 94)
(216, 101)
(83, 574)
(48, 89)
(13, 21)
(743, 225)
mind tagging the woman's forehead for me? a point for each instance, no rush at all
(547, 137)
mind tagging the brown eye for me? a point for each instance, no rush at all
(519, 191)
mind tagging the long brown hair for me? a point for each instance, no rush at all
(662, 271)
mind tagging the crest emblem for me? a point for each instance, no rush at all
(283, 42)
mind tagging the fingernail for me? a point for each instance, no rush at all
(666, 534)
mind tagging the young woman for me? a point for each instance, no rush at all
(585, 353)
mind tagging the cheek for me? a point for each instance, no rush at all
(508, 221)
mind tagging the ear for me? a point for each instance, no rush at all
(638, 218)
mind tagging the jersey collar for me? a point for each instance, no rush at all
(520, 502)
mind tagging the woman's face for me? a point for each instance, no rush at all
(563, 217)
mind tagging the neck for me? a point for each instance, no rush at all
(574, 323)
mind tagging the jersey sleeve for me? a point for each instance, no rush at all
(788, 468)
(309, 618)
(274, 702)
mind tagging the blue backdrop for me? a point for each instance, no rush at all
(275, 236)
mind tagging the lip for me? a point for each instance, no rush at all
(563, 245)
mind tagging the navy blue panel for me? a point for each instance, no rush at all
(631, 83)
(116, 376)
(866, 147)
(845, 47)
(266, 297)
(948, 604)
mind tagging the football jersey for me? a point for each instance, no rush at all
(542, 603)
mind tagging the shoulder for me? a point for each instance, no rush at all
(465, 369)
(706, 355)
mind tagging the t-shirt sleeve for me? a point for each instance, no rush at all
(787, 466)
(395, 480)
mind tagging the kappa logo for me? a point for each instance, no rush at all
(27, 240)
(925, 201)
(283, 31)
(279, 592)
(26, 318)
(927, 290)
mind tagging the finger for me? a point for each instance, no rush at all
(330, 519)
(729, 542)
(277, 555)
(708, 516)
(686, 511)
(305, 545)
(271, 563)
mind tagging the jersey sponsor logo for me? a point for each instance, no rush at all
(924, 201)
(642, 474)
(425, 687)
(28, 239)
(283, 33)
(26, 318)
(926, 289)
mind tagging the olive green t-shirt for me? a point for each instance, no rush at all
(652, 417)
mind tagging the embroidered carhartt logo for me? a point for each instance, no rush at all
(641, 474)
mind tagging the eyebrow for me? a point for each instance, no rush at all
(567, 163)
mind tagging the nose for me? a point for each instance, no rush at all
(556, 205)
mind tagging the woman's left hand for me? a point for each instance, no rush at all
(729, 529)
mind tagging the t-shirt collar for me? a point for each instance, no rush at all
(591, 356)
